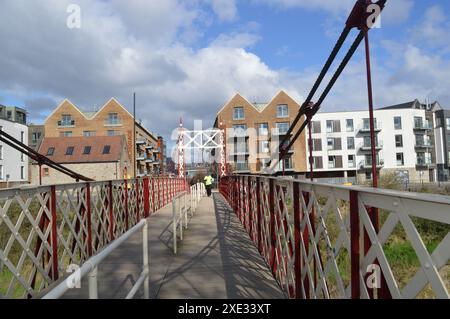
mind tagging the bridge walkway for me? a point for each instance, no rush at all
(216, 259)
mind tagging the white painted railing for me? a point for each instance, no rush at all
(184, 206)
(90, 268)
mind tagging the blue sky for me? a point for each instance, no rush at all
(187, 58)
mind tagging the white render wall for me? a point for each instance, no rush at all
(386, 137)
(12, 161)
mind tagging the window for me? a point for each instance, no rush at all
(282, 127)
(317, 162)
(349, 125)
(368, 176)
(263, 129)
(46, 171)
(398, 140)
(87, 150)
(400, 159)
(88, 133)
(113, 119)
(334, 144)
(368, 141)
(282, 111)
(66, 120)
(35, 137)
(333, 126)
(106, 149)
(22, 157)
(66, 134)
(366, 123)
(240, 129)
(397, 122)
(420, 140)
(264, 147)
(22, 134)
(238, 113)
(1, 171)
(418, 122)
(316, 127)
(351, 161)
(50, 151)
(1, 152)
(69, 150)
(334, 161)
(317, 144)
(447, 123)
(350, 143)
(111, 133)
(9, 115)
(22, 172)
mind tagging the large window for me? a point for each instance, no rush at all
(22, 172)
(238, 113)
(397, 122)
(349, 125)
(282, 111)
(89, 133)
(240, 129)
(447, 123)
(334, 161)
(106, 149)
(69, 150)
(317, 162)
(350, 143)
(264, 147)
(334, 144)
(35, 137)
(1, 152)
(351, 161)
(66, 134)
(398, 140)
(50, 151)
(87, 150)
(400, 159)
(333, 126)
(1, 171)
(263, 129)
(316, 127)
(66, 120)
(282, 127)
(113, 119)
(317, 144)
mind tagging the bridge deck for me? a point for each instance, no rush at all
(216, 259)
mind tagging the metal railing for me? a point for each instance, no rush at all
(320, 240)
(184, 206)
(44, 230)
(90, 268)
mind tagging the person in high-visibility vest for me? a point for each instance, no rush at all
(208, 184)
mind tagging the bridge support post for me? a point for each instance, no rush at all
(146, 197)
(111, 213)
(297, 239)
(89, 219)
(354, 242)
(272, 226)
(54, 234)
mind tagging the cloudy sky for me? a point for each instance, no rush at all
(186, 58)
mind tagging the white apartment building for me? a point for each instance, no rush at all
(405, 143)
(13, 164)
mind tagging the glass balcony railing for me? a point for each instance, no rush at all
(419, 125)
(66, 123)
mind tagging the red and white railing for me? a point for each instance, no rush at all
(45, 229)
(320, 240)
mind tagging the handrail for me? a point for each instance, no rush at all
(181, 206)
(90, 268)
(320, 241)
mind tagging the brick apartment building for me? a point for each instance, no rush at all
(97, 157)
(254, 131)
(112, 119)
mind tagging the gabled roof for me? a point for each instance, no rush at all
(259, 107)
(407, 105)
(117, 144)
(88, 115)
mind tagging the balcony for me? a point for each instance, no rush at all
(239, 133)
(157, 150)
(140, 141)
(242, 167)
(421, 126)
(141, 157)
(70, 123)
(368, 164)
(423, 145)
(239, 151)
(113, 123)
(424, 163)
(149, 147)
(367, 147)
(365, 129)
(278, 132)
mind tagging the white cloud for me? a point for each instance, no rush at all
(226, 10)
